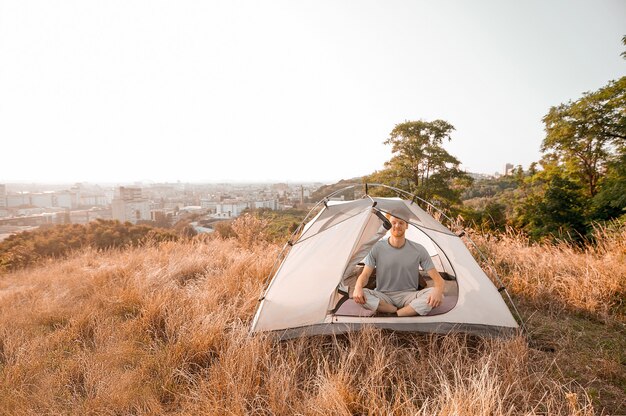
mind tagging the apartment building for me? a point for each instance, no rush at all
(230, 209)
(130, 205)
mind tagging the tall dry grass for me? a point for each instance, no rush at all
(563, 276)
(164, 330)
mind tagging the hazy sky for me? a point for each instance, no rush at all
(288, 90)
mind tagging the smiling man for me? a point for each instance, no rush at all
(397, 261)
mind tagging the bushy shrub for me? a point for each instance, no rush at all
(26, 248)
(224, 229)
(249, 229)
(260, 225)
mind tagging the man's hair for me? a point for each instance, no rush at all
(389, 215)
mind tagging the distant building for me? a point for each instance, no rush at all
(94, 200)
(191, 208)
(91, 197)
(18, 200)
(230, 210)
(208, 204)
(479, 176)
(233, 209)
(57, 199)
(130, 205)
(270, 203)
(130, 194)
(66, 199)
(508, 169)
(42, 200)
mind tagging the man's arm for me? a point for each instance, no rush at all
(361, 282)
(436, 296)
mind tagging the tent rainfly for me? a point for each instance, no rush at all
(310, 291)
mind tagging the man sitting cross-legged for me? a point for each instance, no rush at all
(397, 262)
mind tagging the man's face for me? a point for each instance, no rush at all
(398, 227)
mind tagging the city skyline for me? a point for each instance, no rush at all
(160, 205)
(248, 92)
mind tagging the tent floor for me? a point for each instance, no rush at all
(351, 308)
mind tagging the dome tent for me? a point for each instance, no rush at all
(310, 290)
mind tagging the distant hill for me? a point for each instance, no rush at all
(326, 190)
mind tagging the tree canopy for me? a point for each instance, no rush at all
(587, 134)
(420, 164)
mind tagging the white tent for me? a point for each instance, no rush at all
(310, 290)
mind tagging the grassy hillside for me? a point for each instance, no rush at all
(162, 329)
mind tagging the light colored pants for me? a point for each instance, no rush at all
(417, 299)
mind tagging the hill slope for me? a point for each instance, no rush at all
(163, 329)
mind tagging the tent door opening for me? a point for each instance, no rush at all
(343, 305)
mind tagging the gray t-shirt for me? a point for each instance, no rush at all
(398, 268)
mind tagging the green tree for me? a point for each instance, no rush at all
(419, 163)
(610, 201)
(585, 135)
(554, 209)
(492, 217)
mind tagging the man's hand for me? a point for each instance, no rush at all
(435, 297)
(361, 281)
(358, 295)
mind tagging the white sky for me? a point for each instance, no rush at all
(130, 90)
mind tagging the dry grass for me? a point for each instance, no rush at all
(555, 277)
(574, 302)
(164, 330)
